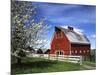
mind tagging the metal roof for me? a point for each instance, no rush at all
(75, 37)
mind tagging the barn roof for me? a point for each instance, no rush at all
(73, 36)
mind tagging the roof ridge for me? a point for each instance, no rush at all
(74, 36)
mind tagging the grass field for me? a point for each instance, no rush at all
(40, 65)
(89, 63)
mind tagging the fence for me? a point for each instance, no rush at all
(66, 58)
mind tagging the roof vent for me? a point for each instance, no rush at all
(70, 28)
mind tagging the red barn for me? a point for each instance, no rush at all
(69, 42)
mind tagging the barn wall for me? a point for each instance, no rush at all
(60, 44)
(64, 45)
(80, 49)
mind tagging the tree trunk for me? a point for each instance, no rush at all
(19, 61)
(90, 58)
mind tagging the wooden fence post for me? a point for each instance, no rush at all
(80, 60)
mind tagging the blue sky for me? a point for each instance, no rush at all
(81, 17)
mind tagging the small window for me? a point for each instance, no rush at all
(84, 51)
(58, 34)
(87, 50)
(75, 51)
(72, 51)
(59, 53)
(80, 51)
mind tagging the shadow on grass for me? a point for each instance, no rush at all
(35, 64)
(38, 65)
(29, 67)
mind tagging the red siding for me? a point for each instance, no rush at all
(60, 44)
(81, 49)
(64, 44)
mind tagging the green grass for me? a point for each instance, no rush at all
(89, 63)
(39, 65)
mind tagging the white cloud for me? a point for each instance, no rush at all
(48, 44)
(92, 39)
(45, 42)
(93, 36)
(80, 31)
(41, 41)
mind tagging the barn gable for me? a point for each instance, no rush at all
(73, 36)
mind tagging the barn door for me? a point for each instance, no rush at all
(59, 52)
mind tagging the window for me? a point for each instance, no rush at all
(87, 51)
(59, 53)
(84, 51)
(72, 51)
(75, 51)
(59, 35)
(80, 51)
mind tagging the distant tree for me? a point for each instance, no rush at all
(30, 49)
(39, 51)
(47, 51)
(93, 55)
(24, 31)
